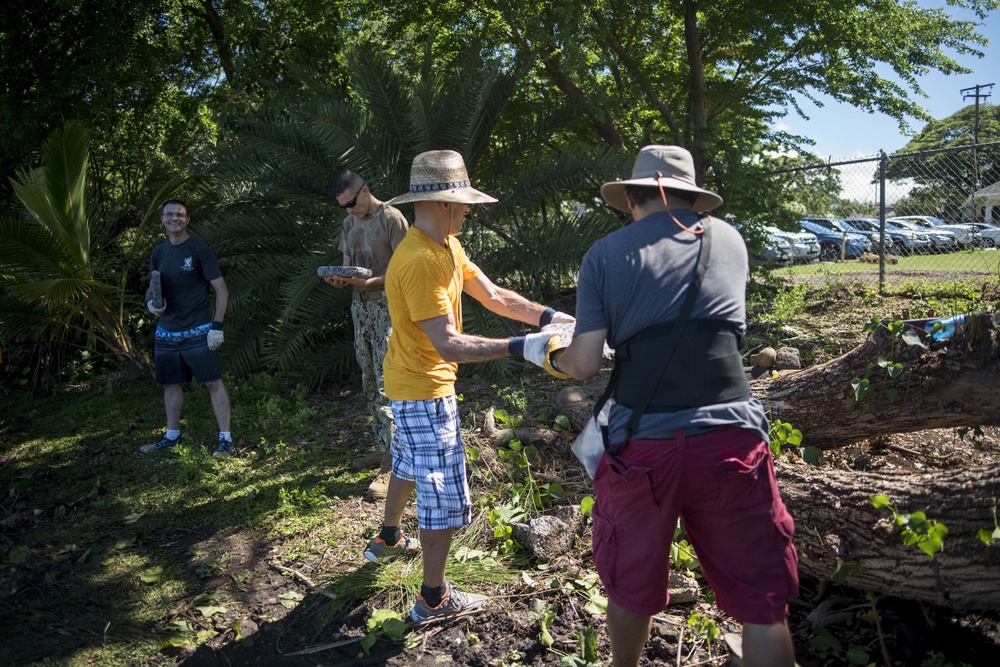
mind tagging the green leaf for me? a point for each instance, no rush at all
(132, 518)
(545, 622)
(586, 505)
(393, 628)
(880, 501)
(857, 655)
(562, 423)
(152, 575)
(824, 642)
(368, 642)
(811, 455)
(209, 612)
(985, 536)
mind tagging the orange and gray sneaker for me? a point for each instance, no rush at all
(378, 550)
(453, 602)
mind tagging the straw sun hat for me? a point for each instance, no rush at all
(441, 176)
(675, 169)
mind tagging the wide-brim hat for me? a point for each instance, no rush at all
(441, 176)
(669, 166)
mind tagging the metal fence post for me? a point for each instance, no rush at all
(882, 159)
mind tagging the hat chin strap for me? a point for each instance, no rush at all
(663, 196)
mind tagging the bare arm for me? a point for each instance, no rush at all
(582, 359)
(457, 347)
(503, 301)
(364, 283)
(221, 298)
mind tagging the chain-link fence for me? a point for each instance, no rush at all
(932, 215)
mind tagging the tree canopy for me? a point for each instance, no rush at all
(265, 99)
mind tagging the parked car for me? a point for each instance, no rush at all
(966, 234)
(989, 235)
(831, 236)
(776, 250)
(901, 241)
(803, 246)
(944, 239)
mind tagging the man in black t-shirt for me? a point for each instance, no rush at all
(188, 332)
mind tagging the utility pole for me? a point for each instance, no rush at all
(976, 92)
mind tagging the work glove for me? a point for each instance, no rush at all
(156, 311)
(215, 336)
(553, 316)
(538, 347)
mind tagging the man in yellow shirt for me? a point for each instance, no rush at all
(424, 283)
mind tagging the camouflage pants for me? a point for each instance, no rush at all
(372, 329)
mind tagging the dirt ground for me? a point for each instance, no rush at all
(282, 617)
(507, 632)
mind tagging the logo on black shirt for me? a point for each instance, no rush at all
(188, 264)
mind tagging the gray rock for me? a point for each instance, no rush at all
(570, 395)
(344, 272)
(571, 516)
(156, 289)
(683, 588)
(547, 537)
(787, 359)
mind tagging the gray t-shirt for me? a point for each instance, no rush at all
(369, 242)
(638, 276)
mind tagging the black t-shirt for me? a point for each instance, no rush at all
(186, 271)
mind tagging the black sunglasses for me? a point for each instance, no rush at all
(354, 199)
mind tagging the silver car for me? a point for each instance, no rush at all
(802, 246)
(965, 234)
(944, 240)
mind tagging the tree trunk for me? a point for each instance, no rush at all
(841, 536)
(948, 385)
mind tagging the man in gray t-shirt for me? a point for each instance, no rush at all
(699, 450)
(370, 233)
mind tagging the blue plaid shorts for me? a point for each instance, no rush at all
(427, 449)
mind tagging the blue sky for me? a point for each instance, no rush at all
(842, 131)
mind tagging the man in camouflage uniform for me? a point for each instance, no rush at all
(371, 232)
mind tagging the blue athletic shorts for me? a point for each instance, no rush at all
(181, 354)
(427, 449)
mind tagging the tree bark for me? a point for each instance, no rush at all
(841, 536)
(951, 384)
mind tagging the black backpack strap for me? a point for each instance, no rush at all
(657, 370)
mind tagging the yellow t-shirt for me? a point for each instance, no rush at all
(423, 281)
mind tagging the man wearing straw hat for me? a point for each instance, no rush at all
(685, 437)
(424, 283)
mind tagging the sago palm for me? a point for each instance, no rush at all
(274, 220)
(58, 288)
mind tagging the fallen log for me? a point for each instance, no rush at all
(937, 384)
(913, 384)
(841, 536)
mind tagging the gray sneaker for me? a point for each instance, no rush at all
(225, 448)
(378, 550)
(454, 602)
(163, 443)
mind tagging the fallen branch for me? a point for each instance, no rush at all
(313, 587)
